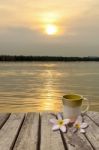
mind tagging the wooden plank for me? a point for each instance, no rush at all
(9, 131)
(3, 118)
(76, 141)
(94, 116)
(28, 136)
(49, 140)
(92, 133)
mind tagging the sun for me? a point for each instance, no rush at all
(51, 29)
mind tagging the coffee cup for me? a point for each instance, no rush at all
(72, 106)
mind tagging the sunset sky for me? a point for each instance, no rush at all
(47, 27)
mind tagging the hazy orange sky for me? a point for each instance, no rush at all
(23, 26)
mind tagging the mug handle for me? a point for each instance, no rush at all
(88, 104)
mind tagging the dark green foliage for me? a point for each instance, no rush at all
(46, 58)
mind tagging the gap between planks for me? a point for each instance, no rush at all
(28, 137)
(3, 118)
(94, 116)
(9, 131)
(46, 138)
(40, 129)
(50, 140)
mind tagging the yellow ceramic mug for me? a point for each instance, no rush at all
(72, 106)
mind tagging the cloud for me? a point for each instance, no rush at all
(29, 13)
(24, 41)
(22, 22)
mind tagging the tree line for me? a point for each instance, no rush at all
(46, 58)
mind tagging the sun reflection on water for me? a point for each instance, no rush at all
(48, 92)
(32, 87)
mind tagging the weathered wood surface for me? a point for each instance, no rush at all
(94, 116)
(28, 137)
(9, 131)
(32, 131)
(77, 141)
(3, 118)
(92, 133)
(49, 140)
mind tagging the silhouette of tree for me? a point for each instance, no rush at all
(46, 58)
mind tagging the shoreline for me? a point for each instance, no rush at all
(21, 58)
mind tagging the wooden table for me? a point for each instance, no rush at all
(32, 131)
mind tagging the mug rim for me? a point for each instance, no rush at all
(80, 97)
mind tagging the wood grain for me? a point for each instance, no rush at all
(34, 133)
(3, 118)
(28, 136)
(94, 116)
(92, 132)
(9, 131)
(77, 140)
(49, 140)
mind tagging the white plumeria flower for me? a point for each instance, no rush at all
(59, 123)
(79, 125)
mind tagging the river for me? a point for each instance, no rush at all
(39, 86)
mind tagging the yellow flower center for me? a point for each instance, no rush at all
(60, 122)
(77, 126)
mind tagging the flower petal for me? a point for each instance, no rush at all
(84, 125)
(74, 125)
(66, 121)
(59, 116)
(74, 130)
(53, 121)
(82, 131)
(63, 128)
(78, 121)
(55, 127)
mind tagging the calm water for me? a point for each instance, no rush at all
(38, 86)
